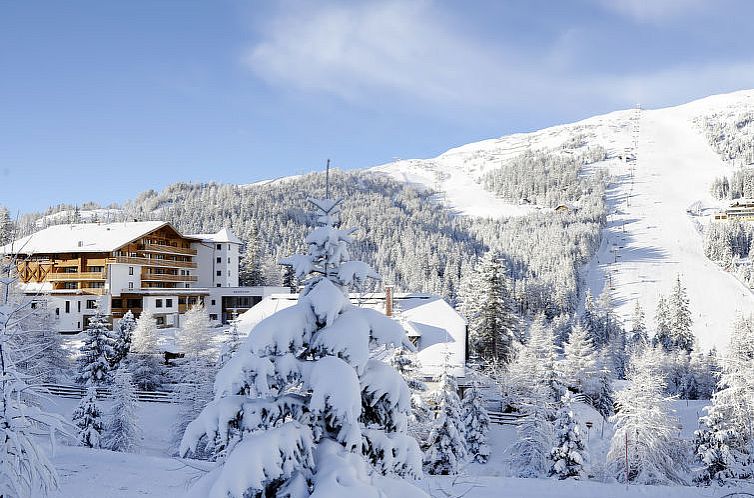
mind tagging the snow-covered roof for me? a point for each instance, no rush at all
(82, 237)
(224, 235)
(439, 327)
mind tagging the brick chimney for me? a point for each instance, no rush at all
(389, 300)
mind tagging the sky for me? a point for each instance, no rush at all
(102, 100)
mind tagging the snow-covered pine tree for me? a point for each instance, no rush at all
(87, 417)
(530, 453)
(250, 267)
(123, 333)
(122, 430)
(644, 421)
(406, 363)
(663, 332)
(98, 348)
(44, 358)
(301, 409)
(24, 467)
(446, 444)
(580, 365)
(569, 454)
(196, 371)
(143, 359)
(488, 307)
(476, 424)
(724, 442)
(680, 318)
(637, 336)
(600, 390)
(6, 226)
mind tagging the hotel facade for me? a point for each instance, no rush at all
(138, 266)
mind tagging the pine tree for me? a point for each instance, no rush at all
(250, 267)
(579, 366)
(532, 448)
(123, 337)
(644, 422)
(44, 358)
(98, 348)
(476, 424)
(489, 309)
(312, 400)
(122, 431)
(142, 360)
(569, 454)
(88, 418)
(600, 392)
(680, 318)
(446, 445)
(663, 332)
(637, 336)
(6, 227)
(724, 442)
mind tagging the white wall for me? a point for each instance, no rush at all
(118, 278)
(73, 320)
(210, 260)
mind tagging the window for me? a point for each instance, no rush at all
(160, 320)
(133, 303)
(130, 285)
(95, 269)
(158, 303)
(213, 302)
(67, 306)
(228, 260)
(34, 305)
(168, 303)
(229, 247)
(188, 286)
(57, 311)
(212, 316)
(219, 273)
(130, 270)
(117, 303)
(219, 247)
(78, 306)
(91, 304)
(219, 259)
(218, 285)
(70, 285)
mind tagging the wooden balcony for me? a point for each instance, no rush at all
(165, 249)
(76, 277)
(163, 263)
(156, 277)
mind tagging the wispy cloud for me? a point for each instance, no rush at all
(402, 52)
(655, 10)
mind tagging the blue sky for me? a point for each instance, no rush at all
(102, 100)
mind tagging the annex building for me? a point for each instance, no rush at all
(137, 266)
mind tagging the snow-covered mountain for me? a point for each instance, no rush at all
(650, 238)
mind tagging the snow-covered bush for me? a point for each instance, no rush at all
(87, 417)
(301, 409)
(446, 444)
(143, 360)
(123, 333)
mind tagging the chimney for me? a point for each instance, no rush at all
(389, 300)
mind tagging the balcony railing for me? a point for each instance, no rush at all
(156, 277)
(166, 263)
(73, 277)
(167, 249)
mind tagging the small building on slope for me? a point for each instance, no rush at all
(432, 325)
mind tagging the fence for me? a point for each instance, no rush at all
(75, 392)
(501, 418)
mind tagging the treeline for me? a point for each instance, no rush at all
(731, 135)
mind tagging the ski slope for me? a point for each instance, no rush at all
(650, 238)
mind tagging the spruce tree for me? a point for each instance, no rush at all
(569, 454)
(122, 431)
(6, 227)
(143, 358)
(123, 333)
(310, 398)
(476, 424)
(98, 348)
(88, 419)
(637, 335)
(250, 267)
(534, 433)
(663, 331)
(680, 318)
(579, 366)
(446, 445)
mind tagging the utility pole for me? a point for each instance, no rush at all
(327, 180)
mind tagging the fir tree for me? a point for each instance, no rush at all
(569, 454)
(446, 445)
(476, 424)
(532, 448)
(724, 442)
(600, 392)
(122, 431)
(250, 267)
(123, 338)
(663, 333)
(6, 227)
(644, 422)
(88, 419)
(637, 336)
(143, 361)
(98, 348)
(579, 366)
(680, 318)
(310, 398)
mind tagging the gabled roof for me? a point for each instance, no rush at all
(224, 235)
(82, 237)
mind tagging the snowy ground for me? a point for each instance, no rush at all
(86, 473)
